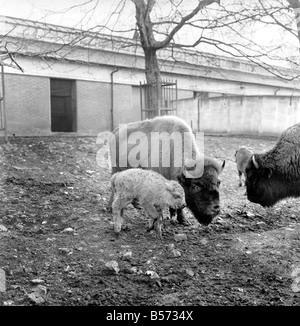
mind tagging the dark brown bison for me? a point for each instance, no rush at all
(275, 174)
(136, 145)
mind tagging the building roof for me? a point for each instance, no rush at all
(58, 42)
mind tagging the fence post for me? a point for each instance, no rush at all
(3, 104)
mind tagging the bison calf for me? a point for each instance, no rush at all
(242, 157)
(151, 189)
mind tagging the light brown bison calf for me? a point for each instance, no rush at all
(151, 189)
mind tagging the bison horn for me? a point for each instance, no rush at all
(223, 165)
(169, 186)
(254, 162)
(189, 164)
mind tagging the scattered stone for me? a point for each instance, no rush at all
(180, 237)
(20, 226)
(289, 229)
(135, 270)
(3, 228)
(175, 253)
(249, 214)
(296, 283)
(40, 289)
(36, 298)
(8, 303)
(189, 272)
(127, 255)
(203, 241)
(170, 246)
(37, 281)
(295, 287)
(112, 266)
(67, 230)
(153, 274)
(2, 280)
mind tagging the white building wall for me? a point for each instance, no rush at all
(254, 115)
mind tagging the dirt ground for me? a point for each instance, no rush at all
(57, 245)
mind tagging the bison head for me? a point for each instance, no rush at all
(260, 186)
(202, 194)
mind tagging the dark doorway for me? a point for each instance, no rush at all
(63, 105)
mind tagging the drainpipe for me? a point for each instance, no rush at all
(112, 97)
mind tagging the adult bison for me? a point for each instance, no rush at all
(275, 174)
(171, 158)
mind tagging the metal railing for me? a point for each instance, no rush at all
(3, 125)
(167, 105)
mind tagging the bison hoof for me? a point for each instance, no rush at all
(125, 227)
(183, 221)
(160, 236)
(117, 229)
(150, 228)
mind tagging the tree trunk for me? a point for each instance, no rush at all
(153, 78)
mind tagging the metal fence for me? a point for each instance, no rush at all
(2, 104)
(167, 105)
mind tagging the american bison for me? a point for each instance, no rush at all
(153, 192)
(275, 174)
(199, 175)
(242, 157)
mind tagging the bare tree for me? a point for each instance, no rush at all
(150, 45)
(295, 4)
(230, 27)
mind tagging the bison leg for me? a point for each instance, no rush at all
(240, 178)
(172, 212)
(118, 206)
(152, 213)
(111, 199)
(136, 204)
(158, 224)
(181, 219)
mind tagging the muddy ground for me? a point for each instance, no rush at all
(56, 237)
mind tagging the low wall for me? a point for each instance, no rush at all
(252, 115)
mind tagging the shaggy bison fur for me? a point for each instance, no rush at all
(201, 193)
(275, 174)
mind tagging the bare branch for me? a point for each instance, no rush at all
(186, 18)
